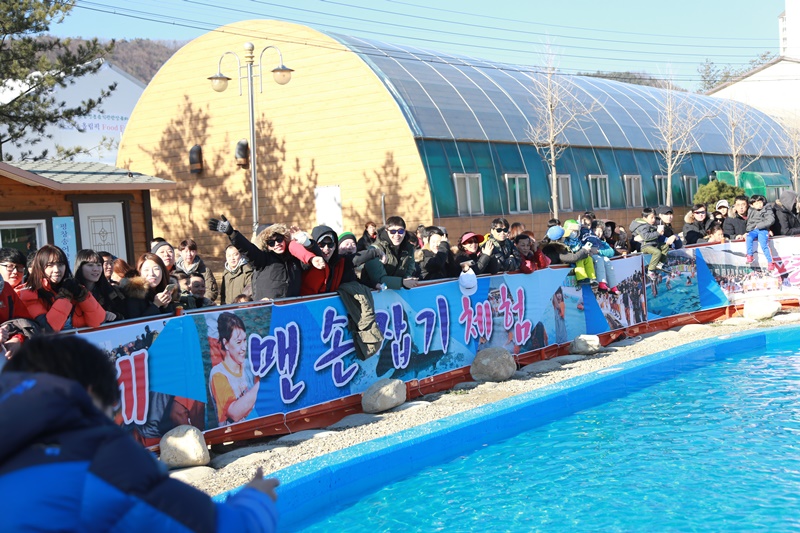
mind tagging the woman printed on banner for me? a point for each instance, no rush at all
(231, 382)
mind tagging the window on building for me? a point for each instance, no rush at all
(774, 193)
(24, 235)
(690, 186)
(469, 196)
(598, 188)
(564, 192)
(633, 190)
(661, 189)
(518, 193)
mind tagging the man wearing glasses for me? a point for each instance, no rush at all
(12, 270)
(504, 250)
(395, 271)
(697, 224)
(341, 268)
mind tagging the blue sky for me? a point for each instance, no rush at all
(664, 39)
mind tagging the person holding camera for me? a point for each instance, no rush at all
(151, 291)
(54, 298)
(436, 261)
(472, 255)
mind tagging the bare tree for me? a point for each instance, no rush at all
(556, 110)
(677, 119)
(791, 145)
(741, 136)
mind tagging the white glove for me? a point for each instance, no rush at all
(301, 237)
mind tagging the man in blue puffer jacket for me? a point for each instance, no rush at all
(65, 465)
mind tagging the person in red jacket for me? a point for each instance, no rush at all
(339, 268)
(531, 257)
(54, 298)
(12, 268)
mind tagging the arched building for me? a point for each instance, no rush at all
(366, 129)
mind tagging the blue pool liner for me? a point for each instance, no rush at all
(315, 488)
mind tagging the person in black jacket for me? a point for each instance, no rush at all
(697, 224)
(277, 261)
(502, 248)
(148, 293)
(471, 255)
(369, 237)
(786, 221)
(438, 262)
(735, 226)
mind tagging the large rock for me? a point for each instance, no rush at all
(184, 446)
(493, 364)
(788, 317)
(761, 309)
(586, 345)
(383, 395)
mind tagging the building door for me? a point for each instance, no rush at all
(328, 201)
(103, 228)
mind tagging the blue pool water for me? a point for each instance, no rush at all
(715, 448)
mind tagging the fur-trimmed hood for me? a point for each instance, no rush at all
(265, 234)
(135, 287)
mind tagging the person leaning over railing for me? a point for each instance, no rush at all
(339, 268)
(277, 260)
(65, 464)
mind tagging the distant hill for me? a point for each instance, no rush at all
(142, 58)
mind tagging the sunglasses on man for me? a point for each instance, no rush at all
(277, 239)
(326, 244)
(501, 230)
(400, 231)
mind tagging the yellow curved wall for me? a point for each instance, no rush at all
(333, 124)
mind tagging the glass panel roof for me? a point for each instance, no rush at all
(458, 97)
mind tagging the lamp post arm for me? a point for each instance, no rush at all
(238, 68)
(261, 63)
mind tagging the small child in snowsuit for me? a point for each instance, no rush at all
(760, 217)
(584, 269)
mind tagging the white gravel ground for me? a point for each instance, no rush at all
(236, 467)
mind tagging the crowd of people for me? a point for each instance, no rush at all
(283, 261)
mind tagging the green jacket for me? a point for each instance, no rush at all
(399, 265)
(236, 282)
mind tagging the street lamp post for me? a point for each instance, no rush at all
(219, 82)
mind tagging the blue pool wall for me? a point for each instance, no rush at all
(314, 488)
